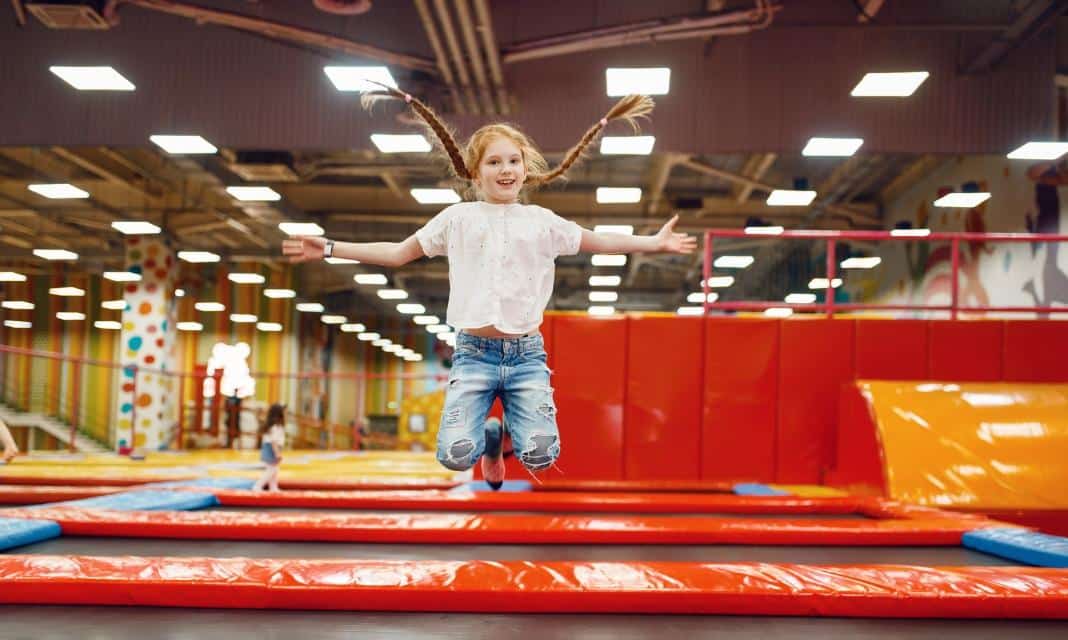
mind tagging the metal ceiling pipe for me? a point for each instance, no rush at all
(474, 54)
(457, 57)
(493, 56)
(439, 56)
(343, 7)
(734, 23)
(274, 30)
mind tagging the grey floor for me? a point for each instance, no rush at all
(929, 556)
(124, 623)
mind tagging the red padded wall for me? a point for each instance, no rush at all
(965, 350)
(741, 376)
(816, 359)
(891, 349)
(1036, 351)
(662, 417)
(589, 355)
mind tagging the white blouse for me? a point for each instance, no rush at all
(502, 261)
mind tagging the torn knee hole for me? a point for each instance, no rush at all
(541, 452)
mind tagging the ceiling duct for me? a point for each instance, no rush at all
(69, 15)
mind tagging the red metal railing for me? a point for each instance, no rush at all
(831, 239)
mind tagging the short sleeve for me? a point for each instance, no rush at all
(433, 237)
(566, 235)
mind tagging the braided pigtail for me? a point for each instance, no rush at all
(433, 123)
(628, 109)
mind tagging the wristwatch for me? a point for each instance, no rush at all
(328, 249)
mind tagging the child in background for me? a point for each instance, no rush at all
(273, 438)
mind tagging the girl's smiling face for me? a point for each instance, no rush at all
(501, 172)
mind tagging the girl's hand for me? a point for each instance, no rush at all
(9, 453)
(302, 249)
(667, 241)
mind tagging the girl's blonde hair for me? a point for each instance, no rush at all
(464, 161)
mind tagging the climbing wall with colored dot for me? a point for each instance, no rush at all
(146, 394)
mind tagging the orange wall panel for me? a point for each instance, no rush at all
(662, 417)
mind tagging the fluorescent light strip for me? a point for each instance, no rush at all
(1039, 151)
(605, 281)
(93, 78)
(61, 191)
(122, 276)
(604, 260)
(55, 254)
(301, 229)
(435, 196)
(400, 143)
(649, 81)
(183, 145)
(370, 278)
(790, 198)
(246, 278)
(698, 297)
(962, 200)
(895, 85)
(135, 227)
(254, 194)
(832, 147)
(618, 195)
(68, 292)
(355, 78)
(627, 145)
(279, 293)
(733, 262)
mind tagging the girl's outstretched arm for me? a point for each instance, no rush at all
(385, 254)
(665, 241)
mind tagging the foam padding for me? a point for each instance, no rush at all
(222, 482)
(19, 532)
(142, 500)
(21, 494)
(512, 486)
(757, 489)
(449, 528)
(1031, 547)
(644, 486)
(558, 502)
(890, 591)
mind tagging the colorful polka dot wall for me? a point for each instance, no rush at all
(146, 398)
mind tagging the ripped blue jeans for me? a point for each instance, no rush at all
(514, 370)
